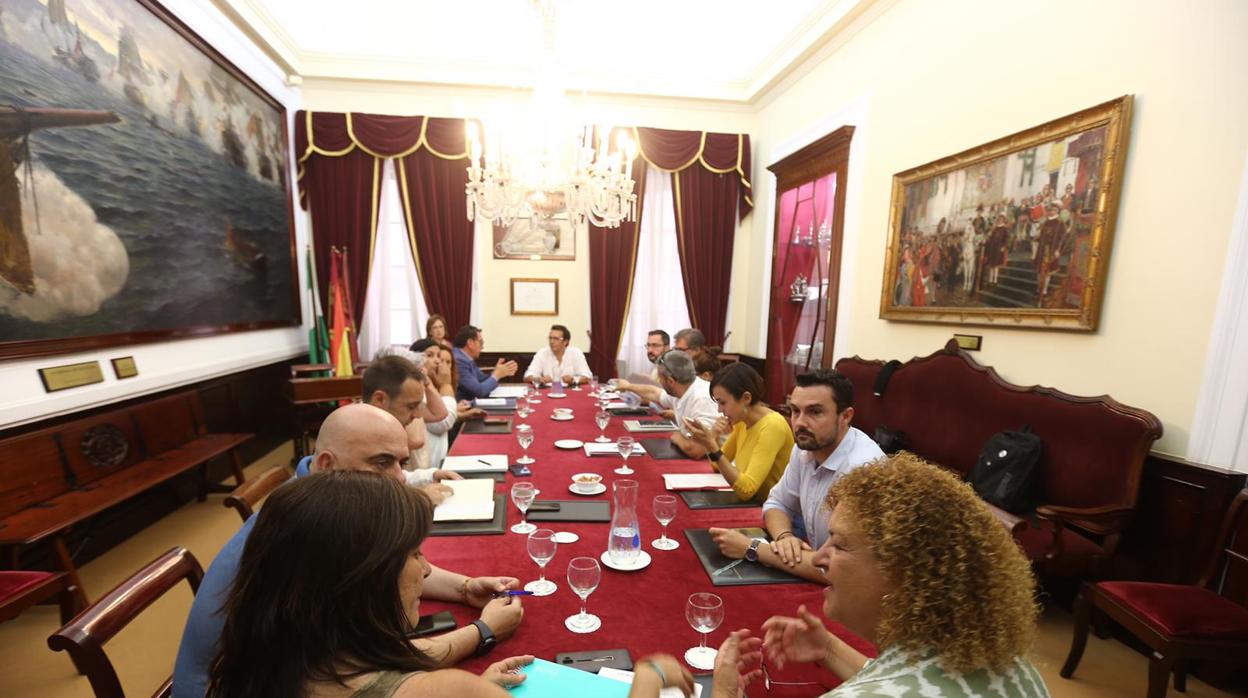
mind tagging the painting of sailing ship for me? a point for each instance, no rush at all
(143, 182)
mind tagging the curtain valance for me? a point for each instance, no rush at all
(721, 153)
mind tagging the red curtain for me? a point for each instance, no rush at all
(612, 264)
(436, 211)
(339, 166)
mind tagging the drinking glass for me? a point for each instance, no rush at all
(576, 382)
(625, 444)
(584, 574)
(537, 389)
(524, 435)
(593, 385)
(542, 548)
(522, 493)
(665, 511)
(523, 408)
(704, 612)
(602, 419)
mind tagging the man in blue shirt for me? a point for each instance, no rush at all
(827, 448)
(473, 382)
(354, 437)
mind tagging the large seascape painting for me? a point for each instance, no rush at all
(1015, 232)
(143, 184)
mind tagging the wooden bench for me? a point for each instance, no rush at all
(1094, 447)
(54, 478)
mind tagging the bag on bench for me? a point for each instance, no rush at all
(1007, 472)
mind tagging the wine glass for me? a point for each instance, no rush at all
(522, 493)
(537, 388)
(602, 419)
(523, 408)
(593, 385)
(625, 444)
(583, 576)
(524, 435)
(665, 511)
(576, 382)
(704, 612)
(542, 548)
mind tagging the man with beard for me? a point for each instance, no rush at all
(827, 448)
(658, 342)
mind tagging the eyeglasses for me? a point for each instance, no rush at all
(768, 682)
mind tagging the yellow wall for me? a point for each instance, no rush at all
(503, 331)
(931, 78)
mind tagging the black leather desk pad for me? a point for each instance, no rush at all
(575, 510)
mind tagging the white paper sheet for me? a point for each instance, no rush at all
(597, 449)
(473, 500)
(491, 402)
(695, 481)
(492, 463)
(627, 677)
(506, 391)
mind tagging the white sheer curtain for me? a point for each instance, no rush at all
(394, 308)
(658, 300)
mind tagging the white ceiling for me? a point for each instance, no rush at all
(707, 49)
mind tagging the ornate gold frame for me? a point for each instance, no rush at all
(1116, 114)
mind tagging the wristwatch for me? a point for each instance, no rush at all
(751, 553)
(487, 641)
(714, 456)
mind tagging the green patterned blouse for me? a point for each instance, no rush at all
(899, 674)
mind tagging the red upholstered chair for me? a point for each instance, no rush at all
(85, 635)
(246, 496)
(19, 590)
(1180, 623)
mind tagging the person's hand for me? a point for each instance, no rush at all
(701, 435)
(545, 378)
(722, 426)
(801, 639)
(443, 374)
(504, 368)
(503, 616)
(464, 405)
(569, 379)
(507, 673)
(789, 549)
(668, 414)
(622, 385)
(440, 475)
(481, 590)
(671, 672)
(738, 651)
(437, 492)
(732, 543)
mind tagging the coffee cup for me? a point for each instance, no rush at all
(563, 412)
(586, 482)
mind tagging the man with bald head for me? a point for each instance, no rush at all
(353, 437)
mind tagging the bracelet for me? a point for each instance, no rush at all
(782, 535)
(657, 670)
(463, 589)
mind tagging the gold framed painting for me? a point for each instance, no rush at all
(1016, 232)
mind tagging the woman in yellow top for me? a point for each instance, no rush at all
(760, 440)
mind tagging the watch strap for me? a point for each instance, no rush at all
(487, 641)
(714, 456)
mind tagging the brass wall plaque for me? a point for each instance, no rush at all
(71, 376)
(125, 367)
(969, 342)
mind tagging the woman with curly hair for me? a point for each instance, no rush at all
(918, 566)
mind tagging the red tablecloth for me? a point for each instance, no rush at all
(643, 610)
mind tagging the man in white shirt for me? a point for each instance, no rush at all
(795, 513)
(657, 343)
(560, 360)
(684, 393)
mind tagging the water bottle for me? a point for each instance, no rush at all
(624, 543)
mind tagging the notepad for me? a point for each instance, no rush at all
(491, 401)
(695, 481)
(493, 463)
(627, 678)
(472, 500)
(638, 425)
(506, 391)
(545, 679)
(597, 449)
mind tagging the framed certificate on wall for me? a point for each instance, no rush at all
(535, 296)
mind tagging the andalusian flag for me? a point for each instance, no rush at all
(318, 338)
(341, 331)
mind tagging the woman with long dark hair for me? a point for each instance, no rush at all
(327, 593)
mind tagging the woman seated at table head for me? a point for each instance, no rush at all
(435, 329)
(760, 440)
(917, 565)
(328, 590)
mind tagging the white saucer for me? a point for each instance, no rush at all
(557, 418)
(569, 443)
(556, 397)
(642, 562)
(565, 537)
(597, 490)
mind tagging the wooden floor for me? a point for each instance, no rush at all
(143, 653)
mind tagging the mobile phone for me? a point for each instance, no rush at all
(519, 470)
(544, 506)
(436, 623)
(495, 420)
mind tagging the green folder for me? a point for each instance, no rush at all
(545, 679)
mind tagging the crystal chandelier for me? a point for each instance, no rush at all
(594, 185)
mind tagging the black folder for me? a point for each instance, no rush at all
(574, 510)
(714, 499)
(474, 528)
(661, 448)
(482, 426)
(740, 575)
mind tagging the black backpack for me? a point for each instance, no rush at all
(1007, 473)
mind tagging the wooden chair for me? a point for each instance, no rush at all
(85, 635)
(245, 497)
(19, 590)
(1179, 622)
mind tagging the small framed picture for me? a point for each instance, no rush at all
(535, 296)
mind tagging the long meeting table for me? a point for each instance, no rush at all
(643, 610)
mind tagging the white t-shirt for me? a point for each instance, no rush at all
(696, 403)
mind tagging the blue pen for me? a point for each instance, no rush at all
(512, 592)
